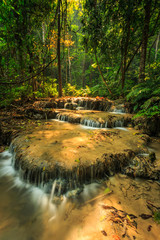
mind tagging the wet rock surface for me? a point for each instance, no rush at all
(142, 167)
(71, 154)
(76, 156)
(44, 151)
(95, 118)
(150, 126)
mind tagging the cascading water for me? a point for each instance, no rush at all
(27, 212)
(93, 124)
(118, 109)
(63, 118)
(119, 123)
(57, 186)
(53, 191)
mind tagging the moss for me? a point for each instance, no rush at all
(157, 217)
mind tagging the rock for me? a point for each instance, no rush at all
(152, 156)
(73, 155)
(50, 105)
(150, 126)
(140, 166)
(71, 106)
(60, 104)
(39, 114)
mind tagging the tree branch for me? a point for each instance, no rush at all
(102, 74)
(27, 79)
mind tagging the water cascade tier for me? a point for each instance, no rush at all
(115, 114)
(73, 156)
(96, 119)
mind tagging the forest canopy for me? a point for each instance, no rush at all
(93, 48)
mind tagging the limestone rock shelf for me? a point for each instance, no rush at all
(76, 156)
(95, 118)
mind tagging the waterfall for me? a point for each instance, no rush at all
(60, 188)
(63, 118)
(89, 123)
(92, 173)
(92, 123)
(118, 123)
(119, 109)
(52, 191)
(106, 123)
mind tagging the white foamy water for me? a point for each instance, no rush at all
(122, 128)
(28, 213)
(88, 127)
(117, 112)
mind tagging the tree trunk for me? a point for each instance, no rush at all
(84, 69)
(102, 74)
(66, 69)
(59, 51)
(43, 57)
(69, 66)
(157, 43)
(124, 56)
(32, 81)
(147, 10)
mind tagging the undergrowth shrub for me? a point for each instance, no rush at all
(71, 90)
(146, 98)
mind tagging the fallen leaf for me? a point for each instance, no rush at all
(107, 207)
(149, 228)
(107, 190)
(129, 218)
(102, 218)
(116, 237)
(104, 233)
(145, 216)
(77, 160)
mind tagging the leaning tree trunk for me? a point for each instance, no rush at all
(157, 43)
(43, 53)
(84, 69)
(59, 51)
(124, 57)
(147, 9)
(99, 69)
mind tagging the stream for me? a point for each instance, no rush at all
(28, 213)
(31, 213)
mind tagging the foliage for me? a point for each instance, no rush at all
(49, 88)
(98, 90)
(157, 217)
(98, 38)
(70, 90)
(146, 100)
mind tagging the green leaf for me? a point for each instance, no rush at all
(77, 160)
(107, 190)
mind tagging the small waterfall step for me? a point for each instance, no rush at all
(95, 119)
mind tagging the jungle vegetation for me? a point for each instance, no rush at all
(93, 48)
